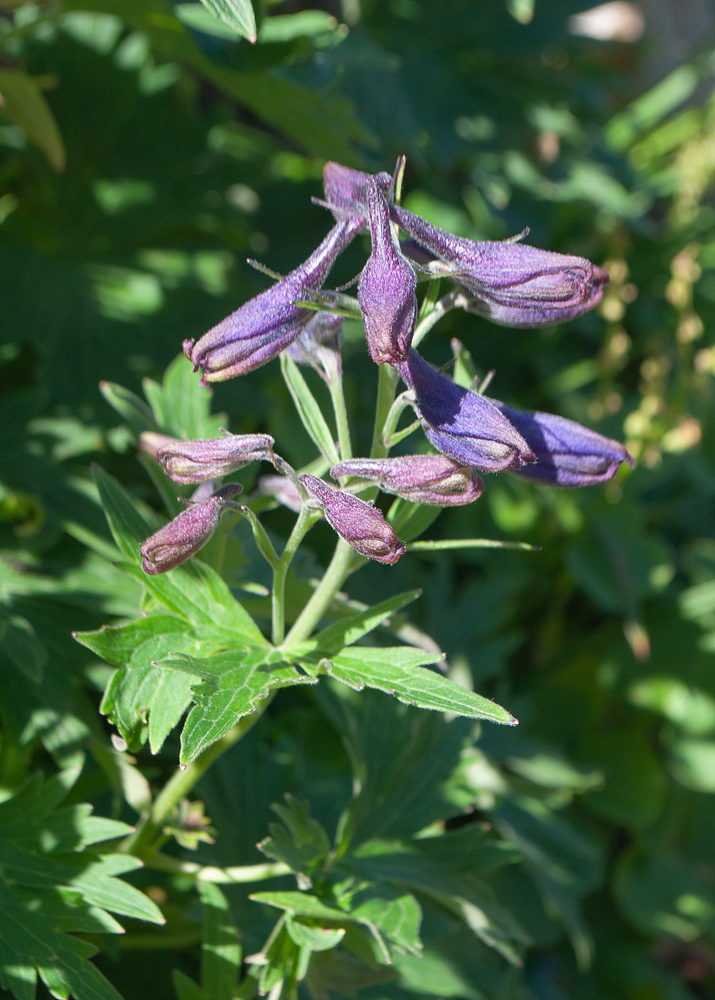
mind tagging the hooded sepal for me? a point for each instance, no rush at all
(462, 424)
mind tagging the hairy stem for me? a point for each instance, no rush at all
(332, 581)
(341, 416)
(306, 520)
(386, 385)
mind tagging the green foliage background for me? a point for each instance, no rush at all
(147, 150)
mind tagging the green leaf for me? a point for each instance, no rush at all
(312, 935)
(144, 699)
(302, 843)
(308, 410)
(236, 13)
(186, 988)
(99, 886)
(221, 950)
(234, 684)
(395, 913)
(181, 406)
(128, 405)
(24, 104)
(29, 943)
(348, 630)
(396, 671)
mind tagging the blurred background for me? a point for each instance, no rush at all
(147, 150)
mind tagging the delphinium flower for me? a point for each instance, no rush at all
(430, 479)
(386, 291)
(567, 454)
(268, 323)
(511, 283)
(360, 524)
(182, 537)
(462, 424)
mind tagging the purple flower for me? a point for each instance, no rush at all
(386, 292)
(268, 323)
(510, 283)
(181, 538)
(430, 479)
(360, 524)
(212, 458)
(462, 424)
(567, 454)
(346, 190)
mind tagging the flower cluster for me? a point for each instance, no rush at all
(509, 282)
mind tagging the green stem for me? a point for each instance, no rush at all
(386, 385)
(143, 840)
(337, 395)
(323, 594)
(306, 520)
(208, 873)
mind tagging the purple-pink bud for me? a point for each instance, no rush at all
(462, 424)
(268, 323)
(360, 524)
(510, 283)
(567, 454)
(212, 458)
(430, 479)
(346, 191)
(181, 538)
(386, 292)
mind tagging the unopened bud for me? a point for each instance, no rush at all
(181, 538)
(462, 424)
(360, 524)
(268, 323)
(386, 292)
(212, 458)
(430, 479)
(510, 283)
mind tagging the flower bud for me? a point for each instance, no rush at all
(386, 291)
(212, 458)
(430, 479)
(567, 454)
(510, 283)
(462, 424)
(319, 345)
(360, 524)
(181, 538)
(268, 323)
(345, 190)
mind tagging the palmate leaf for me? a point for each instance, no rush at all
(141, 698)
(43, 895)
(30, 945)
(395, 670)
(233, 685)
(390, 915)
